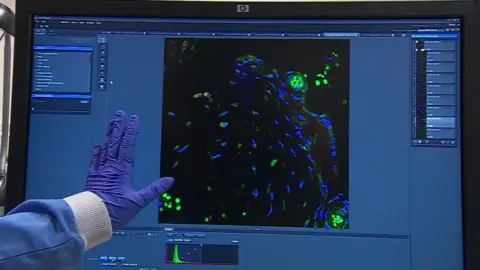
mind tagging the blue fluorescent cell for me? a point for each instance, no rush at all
(183, 149)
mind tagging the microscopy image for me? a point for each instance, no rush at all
(256, 132)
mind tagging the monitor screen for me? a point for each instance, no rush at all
(290, 140)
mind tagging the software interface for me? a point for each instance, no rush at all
(294, 144)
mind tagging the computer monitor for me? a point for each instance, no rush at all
(296, 142)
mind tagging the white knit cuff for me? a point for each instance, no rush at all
(91, 217)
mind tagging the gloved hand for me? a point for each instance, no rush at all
(111, 173)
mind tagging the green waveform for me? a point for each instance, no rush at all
(176, 257)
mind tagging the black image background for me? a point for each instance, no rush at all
(209, 67)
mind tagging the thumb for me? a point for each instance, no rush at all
(154, 190)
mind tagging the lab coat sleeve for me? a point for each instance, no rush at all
(52, 234)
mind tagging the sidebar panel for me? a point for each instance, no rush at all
(434, 99)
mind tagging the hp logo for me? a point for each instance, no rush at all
(243, 8)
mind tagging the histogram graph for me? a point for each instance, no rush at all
(181, 253)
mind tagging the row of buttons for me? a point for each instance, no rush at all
(188, 235)
(102, 76)
(112, 259)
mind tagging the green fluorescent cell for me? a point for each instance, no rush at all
(337, 218)
(178, 208)
(337, 221)
(297, 82)
(177, 200)
(317, 82)
(273, 162)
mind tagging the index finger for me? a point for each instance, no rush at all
(127, 147)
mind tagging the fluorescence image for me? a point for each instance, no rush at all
(255, 132)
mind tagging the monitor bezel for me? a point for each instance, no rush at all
(467, 10)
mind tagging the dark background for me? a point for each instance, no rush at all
(207, 65)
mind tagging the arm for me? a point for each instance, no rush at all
(52, 234)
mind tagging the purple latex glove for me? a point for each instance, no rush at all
(111, 173)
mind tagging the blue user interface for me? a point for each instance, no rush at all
(290, 141)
